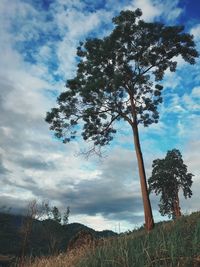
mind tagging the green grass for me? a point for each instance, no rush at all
(169, 244)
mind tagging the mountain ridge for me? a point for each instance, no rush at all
(46, 237)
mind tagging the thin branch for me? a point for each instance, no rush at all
(147, 69)
(94, 150)
(126, 118)
(113, 119)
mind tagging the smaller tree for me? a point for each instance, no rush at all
(169, 175)
(65, 218)
(51, 226)
(53, 213)
(56, 214)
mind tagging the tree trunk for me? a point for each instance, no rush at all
(149, 222)
(176, 207)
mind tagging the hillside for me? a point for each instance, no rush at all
(170, 244)
(46, 237)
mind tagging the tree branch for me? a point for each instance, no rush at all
(113, 119)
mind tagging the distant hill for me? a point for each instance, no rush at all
(46, 237)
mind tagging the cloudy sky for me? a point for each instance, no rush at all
(38, 40)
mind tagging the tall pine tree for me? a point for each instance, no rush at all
(118, 79)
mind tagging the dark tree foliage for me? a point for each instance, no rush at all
(53, 213)
(169, 175)
(66, 216)
(56, 214)
(118, 79)
(116, 70)
(51, 226)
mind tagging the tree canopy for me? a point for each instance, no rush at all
(116, 72)
(169, 175)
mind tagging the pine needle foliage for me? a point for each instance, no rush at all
(169, 176)
(118, 78)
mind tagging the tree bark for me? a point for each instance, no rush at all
(176, 207)
(149, 221)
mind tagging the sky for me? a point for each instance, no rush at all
(38, 40)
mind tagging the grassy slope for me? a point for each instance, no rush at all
(169, 244)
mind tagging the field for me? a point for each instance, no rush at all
(170, 244)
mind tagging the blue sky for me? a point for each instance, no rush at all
(38, 41)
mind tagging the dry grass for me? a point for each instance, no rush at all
(68, 259)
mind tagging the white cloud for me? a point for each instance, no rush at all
(155, 8)
(100, 223)
(171, 80)
(196, 92)
(171, 9)
(150, 10)
(196, 32)
(176, 104)
(74, 25)
(190, 103)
